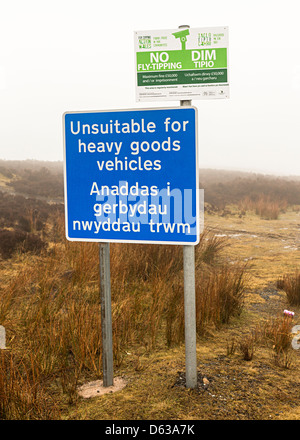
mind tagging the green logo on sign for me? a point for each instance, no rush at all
(144, 42)
(183, 37)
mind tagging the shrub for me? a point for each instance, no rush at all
(266, 206)
(291, 285)
(247, 347)
(32, 243)
(10, 241)
(24, 224)
(278, 332)
(22, 396)
(219, 295)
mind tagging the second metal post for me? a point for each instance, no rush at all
(106, 319)
(189, 308)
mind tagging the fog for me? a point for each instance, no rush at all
(70, 56)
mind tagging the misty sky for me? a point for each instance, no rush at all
(70, 55)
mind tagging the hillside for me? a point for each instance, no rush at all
(246, 276)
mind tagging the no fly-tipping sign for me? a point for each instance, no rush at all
(182, 64)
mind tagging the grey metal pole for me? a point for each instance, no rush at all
(190, 316)
(189, 307)
(106, 320)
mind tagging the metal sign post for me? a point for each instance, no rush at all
(189, 308)
(189, 286)
(190, 316)
(106, 320)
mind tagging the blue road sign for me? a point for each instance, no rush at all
(132, 176)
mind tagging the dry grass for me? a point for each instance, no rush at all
(246, 347)
(291, 285)
(274, 333)
(51, 311)
(278, 332)
(264, 206)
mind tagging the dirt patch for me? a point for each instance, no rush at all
(96, 388)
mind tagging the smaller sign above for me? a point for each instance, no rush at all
(182, 64)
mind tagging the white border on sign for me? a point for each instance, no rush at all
(96, 240)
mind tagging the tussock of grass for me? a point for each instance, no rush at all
(265, 206)
(291, 285)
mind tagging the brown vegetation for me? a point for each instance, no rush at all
(249, 191)
(26, 214)
(10, 241)
(52, 313)
(33, 178)
(50, 302)
(291, 285)
(263, 206)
